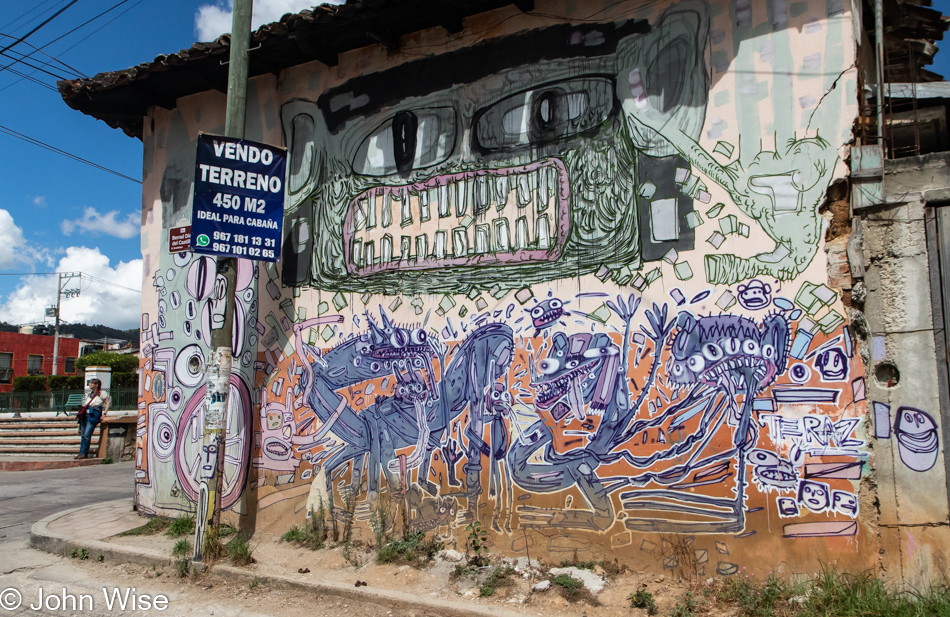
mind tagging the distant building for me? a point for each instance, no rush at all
(32, 354)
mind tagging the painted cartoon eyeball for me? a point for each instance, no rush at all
(419, 337)
(768, 351)
(571, 364)
(696, 363)
(763, 457)
(548, 366)
(750, 347)
(399, 338)
(799, 373)
(712, 352)
(375, 366)
(555, 303)
(731, 346)
(363, 348)
(537, 311)
(678, 369)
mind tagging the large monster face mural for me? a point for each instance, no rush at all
(487, 173)
(538, 280)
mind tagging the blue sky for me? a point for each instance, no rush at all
(59, 215)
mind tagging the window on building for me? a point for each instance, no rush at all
(6, 367)
(70, 365)
(34, 365)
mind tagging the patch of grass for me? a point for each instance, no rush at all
(413, 548)
(239, 550)
(181, 526)
(353, 553)
(497, 578)
(107, 460)
(254, 583)
(182, 549)
(100, 557)
(79, 553)
(766, 599)
(211, 547)
(574, 562)
(830, 594)
(154, 526)
(643, 599)
(686, 606)
(572, 589)
(183, 567)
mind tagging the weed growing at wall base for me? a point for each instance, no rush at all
(831, 594)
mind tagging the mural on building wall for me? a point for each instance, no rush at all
(548, 287)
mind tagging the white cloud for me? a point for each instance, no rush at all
(13, 247)
(98, 302)
(39, 201)
(106, 223)
(213, 20)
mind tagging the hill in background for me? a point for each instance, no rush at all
(82, 331)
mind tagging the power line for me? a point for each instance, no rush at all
(28, 34)
(85, 37)
(99, 280)
(79, 159)
(24, 14)
(41, 62)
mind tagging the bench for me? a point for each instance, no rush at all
(73, 403)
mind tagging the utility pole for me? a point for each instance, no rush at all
(218, 367)
(64, 279)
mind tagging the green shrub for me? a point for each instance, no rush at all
(181, 526)
(29, 383)
(239, 550)
(643, 599)
(66, 382)
(182, 549)
(413, 548)
(125, 380)
(118, 362)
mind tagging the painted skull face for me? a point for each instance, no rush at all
(832, 364)
(581, 368)
(498, 399)
(844, 502)
(754, 295)
(917, 440)
(546, 313)
(771, 471)
(486, 174)
(729, 351)
(816, 496)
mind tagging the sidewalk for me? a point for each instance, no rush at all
(429, 591)
(94, 528)
(38, 462)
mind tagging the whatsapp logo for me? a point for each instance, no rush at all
(203, 240)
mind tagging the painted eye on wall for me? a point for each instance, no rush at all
(548, 366)
(696, 363)
(712, 352)
(545, 114)
(555, 303)
(409, 140)
(419, 337)
(750, 347)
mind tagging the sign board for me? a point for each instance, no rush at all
(179, 239)
(239, 198)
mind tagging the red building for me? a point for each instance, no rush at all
(32, 354)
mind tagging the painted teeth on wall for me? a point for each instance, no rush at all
(566, 285)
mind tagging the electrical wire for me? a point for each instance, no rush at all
(79, 159)
(44, 63)
(109, 283)
(31, 32)
(24, 14)
(88, 35)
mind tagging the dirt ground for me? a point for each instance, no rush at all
(434, 581)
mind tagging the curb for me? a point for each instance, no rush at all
(41, 538)
(43, 465)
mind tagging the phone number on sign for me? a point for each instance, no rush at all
(249, 251)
